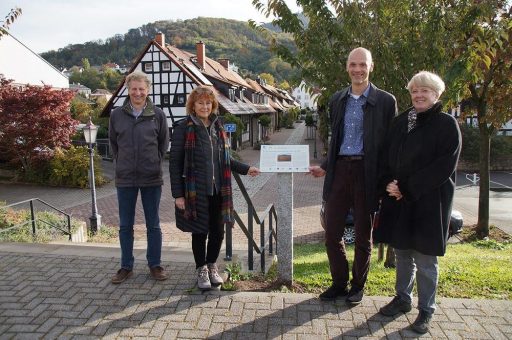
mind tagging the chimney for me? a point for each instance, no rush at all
(200, 54)
(224, 62)
(160, 39)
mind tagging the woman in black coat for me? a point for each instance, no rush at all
(200, 168)
(418, 182)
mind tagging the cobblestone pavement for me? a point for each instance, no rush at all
(50, 294)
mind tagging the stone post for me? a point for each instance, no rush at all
(285, 227)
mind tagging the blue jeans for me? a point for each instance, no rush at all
(411, 263)
(127, 200)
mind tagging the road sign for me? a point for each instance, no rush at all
(230, 127)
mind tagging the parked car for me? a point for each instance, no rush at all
(455, 227)
(350, 235)
(456, 222)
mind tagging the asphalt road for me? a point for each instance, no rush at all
(498, 179)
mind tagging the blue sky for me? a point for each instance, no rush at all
(52, 24)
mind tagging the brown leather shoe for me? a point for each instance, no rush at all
(121, 275)
(157, 273)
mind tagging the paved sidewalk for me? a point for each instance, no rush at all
(50, 292)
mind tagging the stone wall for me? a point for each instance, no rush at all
(497, 164)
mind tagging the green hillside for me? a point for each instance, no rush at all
(224, 38)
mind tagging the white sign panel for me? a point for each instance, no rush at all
(284, 158)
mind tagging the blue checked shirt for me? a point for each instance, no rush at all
(353, 125)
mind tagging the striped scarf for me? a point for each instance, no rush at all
(190, 174)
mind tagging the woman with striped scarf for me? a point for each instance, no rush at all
(200, 166)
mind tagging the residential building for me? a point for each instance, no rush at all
(306, 96)
(100, 94)
(24, 66)
(174, 73)
(81, 89)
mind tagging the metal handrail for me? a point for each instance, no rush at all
(266, 237)
(33, 219)
(102, 147)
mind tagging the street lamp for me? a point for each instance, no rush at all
(90, 131)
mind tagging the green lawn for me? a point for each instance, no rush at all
(481, 269)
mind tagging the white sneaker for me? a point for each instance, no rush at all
(203, 279)
(215, 278)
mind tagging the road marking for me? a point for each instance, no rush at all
(503, 185)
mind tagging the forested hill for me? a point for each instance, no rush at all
(224, 38)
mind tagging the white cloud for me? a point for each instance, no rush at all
(53, 24)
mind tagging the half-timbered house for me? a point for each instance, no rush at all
(174, 73)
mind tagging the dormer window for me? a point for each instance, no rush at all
(232, 96)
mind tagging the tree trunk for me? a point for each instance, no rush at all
(483, 198)
(380, 252)
(390, 258)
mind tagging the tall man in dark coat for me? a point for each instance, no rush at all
(360, 116)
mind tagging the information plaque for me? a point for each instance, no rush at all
(284, 158)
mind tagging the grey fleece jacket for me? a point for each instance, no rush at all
(138, 145)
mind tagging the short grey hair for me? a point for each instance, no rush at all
(137, 76)
(427, 79)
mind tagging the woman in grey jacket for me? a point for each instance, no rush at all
(200, 168)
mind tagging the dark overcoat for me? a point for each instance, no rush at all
(207, 153)
(423, 161)
(379, 110)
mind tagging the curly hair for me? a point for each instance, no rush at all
(201, 91)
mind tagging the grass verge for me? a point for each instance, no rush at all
(471, 268)
(478, 269)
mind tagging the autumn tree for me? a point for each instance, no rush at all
(89, 76)
(284, 85)
(268, 78)
(467, 42)
(481, 73)
(81, 109)
(34, 120)
(111, 79)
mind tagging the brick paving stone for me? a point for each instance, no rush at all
(54, 333)
(476, 335)
(60, 307)
(135, 332)
(494, 331)
(95, 319)
(393, 336)
(48, 325)
(22, 328)
(14, 312)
